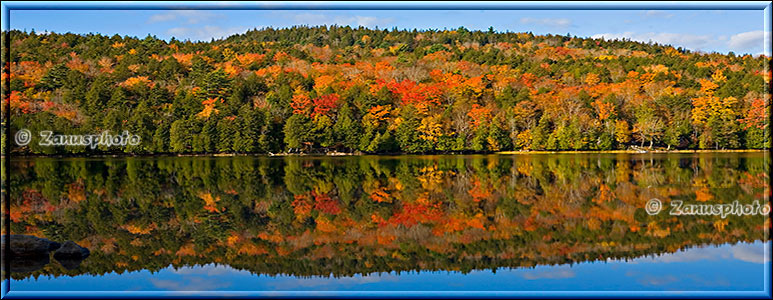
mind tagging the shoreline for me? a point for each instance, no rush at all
(633, 151)
(341, 154)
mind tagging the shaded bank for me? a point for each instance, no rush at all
(335, 154)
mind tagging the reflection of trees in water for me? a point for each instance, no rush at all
(343, 216)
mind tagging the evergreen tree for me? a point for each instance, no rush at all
(298, 132)
(347, 128)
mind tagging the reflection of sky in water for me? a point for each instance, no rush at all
(737, 267)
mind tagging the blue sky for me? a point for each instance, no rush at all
(740, 31)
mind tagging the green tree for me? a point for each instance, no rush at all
(161, 137)
(407, 135)
(226, 134)
(251, 122)
(180, 136)
(677, 132)
(207, 139)
(347, 128)
(298, 132)
(323, 131)
(54, 78)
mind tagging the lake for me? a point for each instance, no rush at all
(372, 224)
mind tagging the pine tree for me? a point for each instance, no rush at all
(347, 129)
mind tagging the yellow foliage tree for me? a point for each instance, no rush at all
(430, 128)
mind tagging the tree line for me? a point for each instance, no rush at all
(321, 89)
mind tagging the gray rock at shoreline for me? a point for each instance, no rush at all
(30, 253)
(28, 264)
(70, 264)
(70, 250)
(27, 245)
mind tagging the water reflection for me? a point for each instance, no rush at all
(346, 218)
(709, 268)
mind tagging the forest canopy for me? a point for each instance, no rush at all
(333, 88)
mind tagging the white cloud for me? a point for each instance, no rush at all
(746, 40)
(192, 284)
(691, 41)
(188, 16)
(693, 254)
(657, 14)
(311, 19)
(554, 273)
(657, 280)
(366, 21)
(162, 17)
(204, 33)
(322, 19)
(563, 22)
(320, 282)
(753, 253)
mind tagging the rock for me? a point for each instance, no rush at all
(70, 264)
(53, 246)
(71, 250)
(30, 253)
(27, 245)
(27, 264)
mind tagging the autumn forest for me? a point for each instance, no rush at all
(357, 90)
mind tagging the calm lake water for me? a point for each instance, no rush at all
(547, 222)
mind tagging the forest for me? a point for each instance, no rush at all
(340, 216)
(357, 90)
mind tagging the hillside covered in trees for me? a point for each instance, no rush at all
(320, 89)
